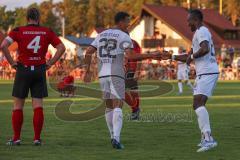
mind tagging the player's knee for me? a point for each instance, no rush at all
(117, 103)
(199, 100)
(18, 104)
(37, 103)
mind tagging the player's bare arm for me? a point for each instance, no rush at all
(201, 52)
(4, 47)
(181, 58)
(139, 57)
(87, 61)
(60, 50)
(204, 49)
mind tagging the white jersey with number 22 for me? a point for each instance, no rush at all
(111, 45)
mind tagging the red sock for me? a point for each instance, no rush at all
(38, 119)
(128, 99)
(132, 100)
(17, 121)
(135, 97)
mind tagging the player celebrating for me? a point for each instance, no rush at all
(203, 54)
(182, 72)
(33, 41)
(132, 97)
(111, 45)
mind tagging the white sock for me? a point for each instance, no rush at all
(190, 84)
(180, 87)
(109, 120)
(203, 122)
(117, 123)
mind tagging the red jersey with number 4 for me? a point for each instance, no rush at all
(33, 42)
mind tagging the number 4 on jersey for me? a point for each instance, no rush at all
(34, 44)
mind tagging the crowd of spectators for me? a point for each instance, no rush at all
(149, 70)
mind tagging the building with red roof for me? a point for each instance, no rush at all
(166, 26)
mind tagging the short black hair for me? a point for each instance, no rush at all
(33, 14)
(197, 13)
(120, 16)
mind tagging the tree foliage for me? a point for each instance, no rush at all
(81, 16)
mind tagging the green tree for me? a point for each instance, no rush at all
(232, 9)
(7, 18)
(20, 17)
(48, 18)
(75, 15)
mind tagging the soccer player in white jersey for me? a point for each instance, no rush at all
(203, 55)
(112, 46)
(182, 72)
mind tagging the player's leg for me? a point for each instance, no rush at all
(117, 88)
(207, 141)
(17, 120)
(204, 88)
(19, 93)
(180, 86)
(117, 122)
(109, 116)
(117, 118)
(132, 97)
(189, 84)
(105, 87)
(199, 104)
(38, 119)
(38, 92)
(187, 81)
(180, 77)
(135, 104)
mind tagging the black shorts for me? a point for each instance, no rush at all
(29, 78)
(130, 82)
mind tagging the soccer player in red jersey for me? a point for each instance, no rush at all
(33, 41)
(132, 97)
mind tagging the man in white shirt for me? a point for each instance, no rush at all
(112, 46)
(182, 72)
(203, 55)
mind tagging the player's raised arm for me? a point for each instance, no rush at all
(4, 47)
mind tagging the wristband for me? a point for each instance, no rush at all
(192, 56)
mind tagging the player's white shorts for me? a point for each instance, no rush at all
(112, 87)
(182, 74)
(205, 84)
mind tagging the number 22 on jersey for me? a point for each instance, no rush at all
(34, 44)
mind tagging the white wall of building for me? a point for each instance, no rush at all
(145, 29)
(70, 46)
(164, 29)
(138, 32)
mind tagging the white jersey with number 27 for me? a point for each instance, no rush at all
(206, 64)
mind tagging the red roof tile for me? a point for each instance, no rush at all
(214, 18)
(1, 37)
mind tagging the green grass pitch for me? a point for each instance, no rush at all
(167, 131)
